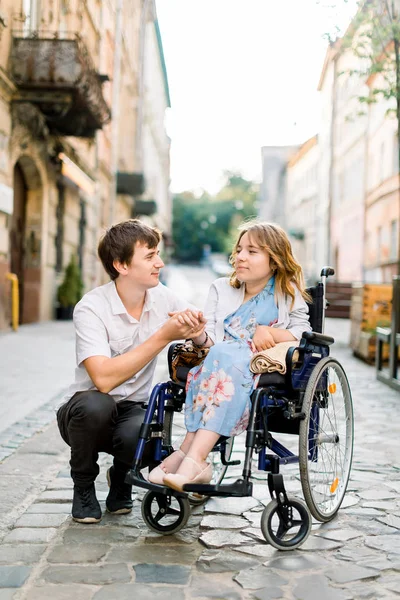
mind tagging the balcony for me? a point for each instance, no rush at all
(58, 76)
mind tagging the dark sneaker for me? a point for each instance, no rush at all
(85, 506)
(119, 499)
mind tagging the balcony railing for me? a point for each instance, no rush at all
(57, 74)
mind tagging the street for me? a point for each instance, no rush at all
(221, 553)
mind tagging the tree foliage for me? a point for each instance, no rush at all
(210, 220)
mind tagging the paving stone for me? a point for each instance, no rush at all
(381, 494)
(7, 593)
(223, 522)
(135, 554)
(380, 504)
(345, 574)
(217, 538)
(30, 535)
(86, 553)
(349, 500)
(361, 511)
(387, 543)
(268, 593)
(390, 582)
(340, 535)
(315, 587)
(152, 573)
(262, 550)
(13, 577)
(296, 562)
(259, 577)
(390, 520)
(49, 508)
(41, 520)
(253, 517)
(117, 573)
(318, 543)
(232, 506)
(24, 553)
(221, 561)
(93, 534)
(366, 592)
(60, 592)
(221, 588)
(380, 563)
(141, 592)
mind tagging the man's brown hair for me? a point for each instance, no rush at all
(119, 241)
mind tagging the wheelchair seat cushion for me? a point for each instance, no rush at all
(273, 378)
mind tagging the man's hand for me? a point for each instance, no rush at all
(262, 339)
(184, 324)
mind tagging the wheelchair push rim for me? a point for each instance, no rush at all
(326, 439)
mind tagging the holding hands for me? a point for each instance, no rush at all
(185, 324)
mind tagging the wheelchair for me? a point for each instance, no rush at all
(312, 400)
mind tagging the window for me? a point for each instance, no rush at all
(31, 10)
(394, 236)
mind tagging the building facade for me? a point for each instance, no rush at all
(72, 98)
(301, 207)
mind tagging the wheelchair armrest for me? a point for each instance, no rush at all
(317, 338)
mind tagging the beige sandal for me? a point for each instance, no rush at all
(176, 481)
(157, 474)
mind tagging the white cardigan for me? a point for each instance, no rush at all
(223, 300)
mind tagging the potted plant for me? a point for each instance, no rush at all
(70, 291)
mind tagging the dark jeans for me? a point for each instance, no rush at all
(92, 422)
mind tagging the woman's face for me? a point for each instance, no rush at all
(252, 262)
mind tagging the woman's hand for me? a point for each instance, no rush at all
(262, 339)
(193, 319)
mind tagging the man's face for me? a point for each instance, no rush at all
(145, 266)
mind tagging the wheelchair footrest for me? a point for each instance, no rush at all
(238, 488)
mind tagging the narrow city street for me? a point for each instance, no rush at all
(221, 553)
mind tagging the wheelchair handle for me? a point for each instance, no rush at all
(327, 272)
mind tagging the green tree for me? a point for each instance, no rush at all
(210, 220)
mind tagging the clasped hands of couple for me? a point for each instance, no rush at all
(188, 463)
(192, 325)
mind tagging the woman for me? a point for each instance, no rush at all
(263, 303)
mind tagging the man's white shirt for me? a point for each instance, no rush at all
(104, 328)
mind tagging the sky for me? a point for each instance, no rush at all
(242, 74)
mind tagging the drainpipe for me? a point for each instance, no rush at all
(115, 109)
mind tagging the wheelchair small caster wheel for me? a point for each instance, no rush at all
(286, 527)
(165, 513)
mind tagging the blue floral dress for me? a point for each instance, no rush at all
(218, 391)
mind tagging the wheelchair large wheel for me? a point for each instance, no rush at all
(164, 513)
(219, 470)
(326, 439)
(289, 533)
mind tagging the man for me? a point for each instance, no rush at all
(120, 329)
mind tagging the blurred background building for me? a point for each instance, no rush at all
(83, 93)
(338, 194)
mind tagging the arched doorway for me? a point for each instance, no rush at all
(25, 237)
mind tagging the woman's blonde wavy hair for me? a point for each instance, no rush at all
(274, 240)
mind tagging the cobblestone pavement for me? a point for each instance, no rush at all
(221, 552)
